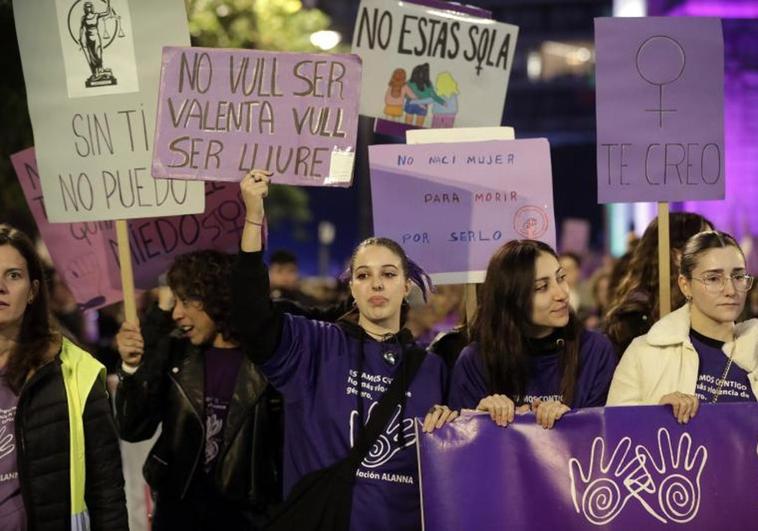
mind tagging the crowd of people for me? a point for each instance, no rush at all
(277, 411)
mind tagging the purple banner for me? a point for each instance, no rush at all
(660, 109)
(223, 112)
(452, 205)
(621, 468)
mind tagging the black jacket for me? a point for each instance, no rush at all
(168, 388)
(42, 432)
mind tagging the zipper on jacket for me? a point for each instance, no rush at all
(202, 444)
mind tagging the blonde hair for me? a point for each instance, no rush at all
(446, 86)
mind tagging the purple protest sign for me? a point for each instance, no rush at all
(75, 248)
(452, 205)
(224, 112)
(155, 242)
(660, 109)
(622, 468)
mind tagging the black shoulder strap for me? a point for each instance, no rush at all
(385, 408)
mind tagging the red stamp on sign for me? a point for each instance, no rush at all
(530, 222)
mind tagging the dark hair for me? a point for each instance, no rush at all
(501, 328)
(641, 276)
(36, 333)
(702, 242)
(420, 76)
(282, 257)
(205, 277)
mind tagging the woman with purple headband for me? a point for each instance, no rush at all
(333, 376)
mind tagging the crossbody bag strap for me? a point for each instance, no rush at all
(385, 408)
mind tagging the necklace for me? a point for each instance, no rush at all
(725, 373)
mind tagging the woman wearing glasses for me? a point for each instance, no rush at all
(697, 353)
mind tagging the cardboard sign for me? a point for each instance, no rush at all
(156, 242)
(660, 109)
(432, 67)
(91, 71)
(452, 205)
(77, 249)
(621, 468)
(462, 134)
(222, 113)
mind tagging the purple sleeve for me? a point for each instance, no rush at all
(304, 348)
(467, 384)
(599, 360)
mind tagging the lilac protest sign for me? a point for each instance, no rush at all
(621, 468)
(452, 205)
(660, 109)
(224, 112)
(76, 251)
(155, 242)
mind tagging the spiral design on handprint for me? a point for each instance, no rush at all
(678, 498)
(601, 501)
(379, 453)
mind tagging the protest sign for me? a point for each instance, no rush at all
(660, 109)
(155, 242)
(76, 249)
(432, 67)
(622, 468)
(91, 71)
(222, 113)
(452, 205)
(461, 134)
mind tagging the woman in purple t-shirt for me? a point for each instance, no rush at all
(697, 353)
(332, 376)
(529, 350)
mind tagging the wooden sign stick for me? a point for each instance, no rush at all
(664, 260)
(471, 303)
(127, 275)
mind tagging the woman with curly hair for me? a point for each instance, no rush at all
(183, 369)
(60, 466)
(634, 306)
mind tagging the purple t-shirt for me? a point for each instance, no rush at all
(597, 361)
(12, 513)
(316, 369)
(713, 361)
(222, 366)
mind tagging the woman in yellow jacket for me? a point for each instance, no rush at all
(697, 353)
(60, 466)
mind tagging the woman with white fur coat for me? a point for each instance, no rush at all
(697, 353)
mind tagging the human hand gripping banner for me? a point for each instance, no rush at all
(618, 468)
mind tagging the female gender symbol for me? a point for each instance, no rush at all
(660, 61)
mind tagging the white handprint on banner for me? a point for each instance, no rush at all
(601, 495)
(388, 443)
(675, 477)
(668, 489)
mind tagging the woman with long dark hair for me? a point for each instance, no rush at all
(336, 378)
(697, 353)
(529, 350)
(59, 453)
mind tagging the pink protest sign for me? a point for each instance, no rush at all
(660, 109)
(452, 205)
(155, 242)
(223, 112)
(77, 249)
